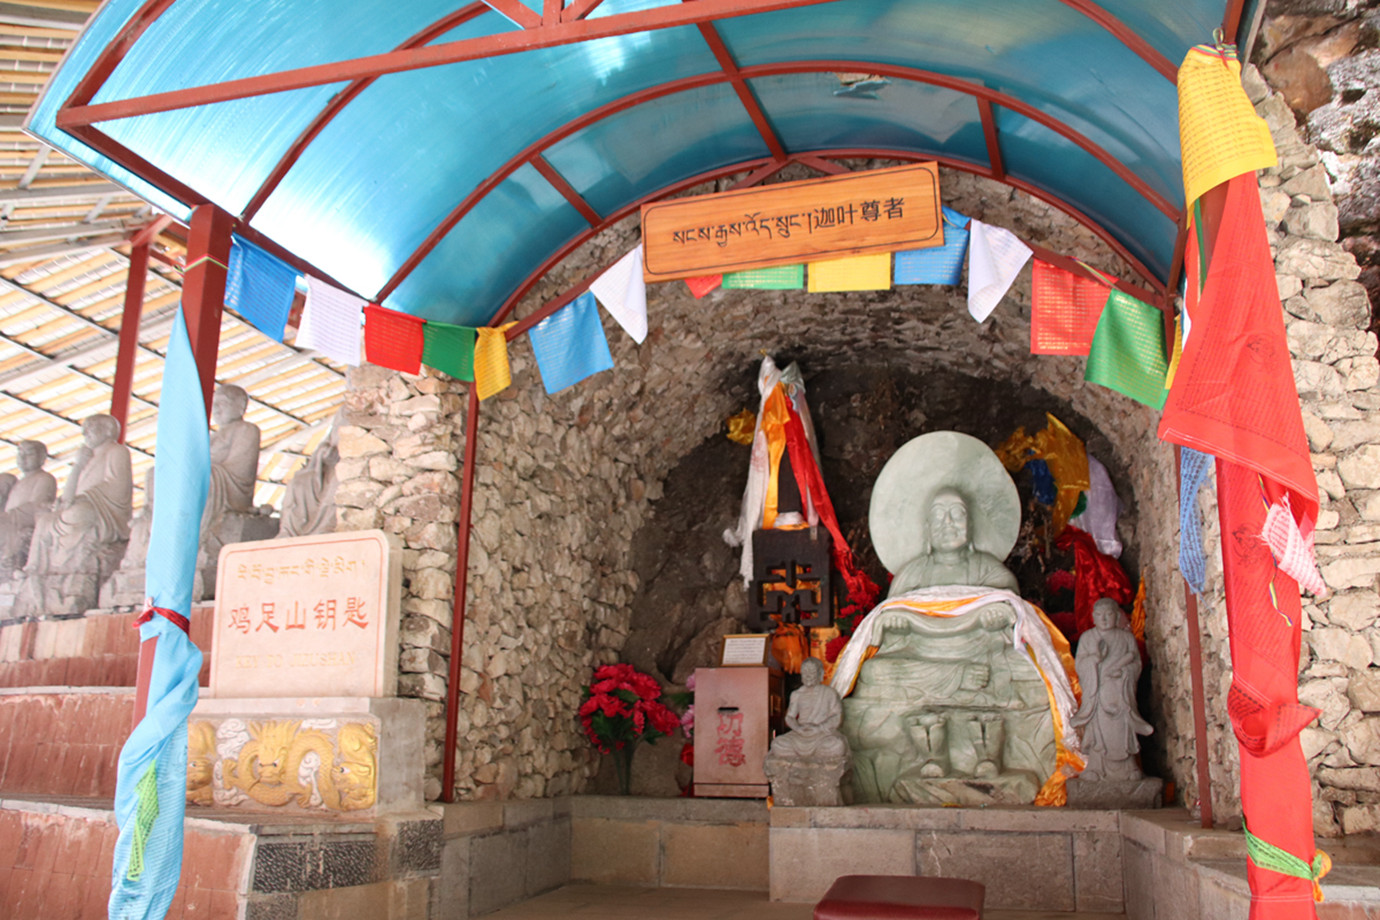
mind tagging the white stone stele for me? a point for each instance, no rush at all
(401, 726)
(308, 616)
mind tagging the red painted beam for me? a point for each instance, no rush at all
(558, 182)
(579, 9)
(819, 164)
(543, 36)
(462, 571)
(115, 52)
(128, 348)
(989, 131)
(745, 94)
(344, 98)
(203, 289)
(515, 12)
(1231, 19)
(1127, 36)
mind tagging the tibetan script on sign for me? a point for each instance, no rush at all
(307, 616)
(878, 211)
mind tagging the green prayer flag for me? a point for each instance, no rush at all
(776, 278)
(1127, 353)
(449, 349)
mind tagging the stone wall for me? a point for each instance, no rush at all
(565, 482)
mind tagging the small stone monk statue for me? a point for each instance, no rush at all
(806, 763)
(31, 495)
(1108, 668)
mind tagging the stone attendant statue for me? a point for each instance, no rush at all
(230, 515)
(80, 542)
(309, 502)
(234, 454)
(954, 706)
(1108, 669)
(125, 588)
(31, 495)
(806, 764)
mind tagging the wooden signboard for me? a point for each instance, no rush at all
(878, 211)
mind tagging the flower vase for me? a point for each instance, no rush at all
(622, 765)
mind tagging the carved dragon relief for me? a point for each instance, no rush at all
(281, 763)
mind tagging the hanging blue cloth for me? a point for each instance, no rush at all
(570, 344)
(260, 287)
(151, 784)
(1193, 471)
(937, 264)
(1042, 482)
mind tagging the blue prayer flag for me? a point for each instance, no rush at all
(570, 344)
(937, 264)
(260, 287)
(151, 783)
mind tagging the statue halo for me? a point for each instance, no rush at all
(922, 467)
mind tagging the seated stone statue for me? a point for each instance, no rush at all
(806, 763)
(125, 587)
(80, 542)
(230, 515)
(944, 704)
(1108, 669)
(31, 495)
(309, 502)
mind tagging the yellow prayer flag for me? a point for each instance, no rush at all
(1220, 136)
(851, 273)
(491, 373)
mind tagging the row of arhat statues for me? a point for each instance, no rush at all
(68, 553)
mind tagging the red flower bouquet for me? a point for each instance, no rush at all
(623, 706)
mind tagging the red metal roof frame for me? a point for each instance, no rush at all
(559, 25)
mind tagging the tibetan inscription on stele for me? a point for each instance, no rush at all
(882, 210)
(308, 616)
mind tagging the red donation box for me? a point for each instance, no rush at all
(735, 711)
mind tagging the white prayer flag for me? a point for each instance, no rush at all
(331, 322)
(995, 257)
(624, 294)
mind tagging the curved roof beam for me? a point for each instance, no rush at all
(763, 167)
(983, 93)
(78, 112)
(344, 98)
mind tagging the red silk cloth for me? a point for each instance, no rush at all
(1276, 794)
(172, 616)
(1096, 575)
(1233, 395)
(393, 340)
(810, 481)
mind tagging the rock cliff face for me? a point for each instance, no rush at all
(597, 509)
(1324, 57)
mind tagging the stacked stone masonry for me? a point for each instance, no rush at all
(565, 481)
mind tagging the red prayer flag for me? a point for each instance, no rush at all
(393, 340)
(1064, 310)
(1263, 620)
(1233, 395)
(703, 284)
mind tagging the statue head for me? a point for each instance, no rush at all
(1106, 614)
(99, 429)
(946, 523)
(812, 672)
(943, 474)
(228, 404)
(32, 455)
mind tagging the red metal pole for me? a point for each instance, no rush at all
(203, 298)
(129, 334)
(462, 573)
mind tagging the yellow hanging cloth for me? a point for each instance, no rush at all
(1220, 136)
(775, 415)
(491, 371)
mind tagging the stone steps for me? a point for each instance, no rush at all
(62, 741)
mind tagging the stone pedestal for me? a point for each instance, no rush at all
(1146, 792)
(67, 593)
(797, 784)
(335, 755)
